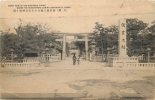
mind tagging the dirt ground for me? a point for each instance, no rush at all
(90, 78)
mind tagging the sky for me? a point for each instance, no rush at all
(81, 16)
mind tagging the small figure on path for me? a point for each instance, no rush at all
(78, 59)
(74, 59)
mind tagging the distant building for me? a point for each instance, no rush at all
(74, 49)
(54, 49)
(52, 52)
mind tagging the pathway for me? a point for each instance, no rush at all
(89, 78)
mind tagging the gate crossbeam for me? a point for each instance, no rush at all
(73, 40)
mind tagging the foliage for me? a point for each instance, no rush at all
(28, 37)
(8, 40)
(34, 36)
(139, 36)
(106, 37)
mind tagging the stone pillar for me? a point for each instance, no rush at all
(59, 56)
(122, 38)
(75, 37)
(86, 46)
(64, 47)
(11, 56)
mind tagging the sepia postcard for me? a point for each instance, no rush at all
(77, 49)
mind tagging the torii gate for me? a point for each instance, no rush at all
(75, 34)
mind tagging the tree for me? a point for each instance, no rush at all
(106, 36)
(134, 26)
(30, 36)
(110, 34)
(33, 36)
(137, 36)
(8, 41)
(152, 28)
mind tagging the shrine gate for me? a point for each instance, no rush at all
(64, 40)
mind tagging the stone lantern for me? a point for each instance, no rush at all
(11, 50)
(148, 49)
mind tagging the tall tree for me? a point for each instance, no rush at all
(136, 31)
(110, 34)
(33, 36)
(28, 36)
(106, 36)
(8, 40)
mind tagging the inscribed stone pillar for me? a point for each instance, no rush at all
(122, 38)
(64, 47)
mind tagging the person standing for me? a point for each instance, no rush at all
(74, 59)
(78, 59)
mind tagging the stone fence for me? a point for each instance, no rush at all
(128, 62)
(31, 60)
(19, 64)
(99, 58)
(142, 57)
(125, 59)
(121, 61)
(140, 65)
(50, 57)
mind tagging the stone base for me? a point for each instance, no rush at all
(121, 61)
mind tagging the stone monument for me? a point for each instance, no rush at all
(122, 38)
(123, 58)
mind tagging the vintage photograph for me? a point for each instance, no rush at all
(77, 50)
